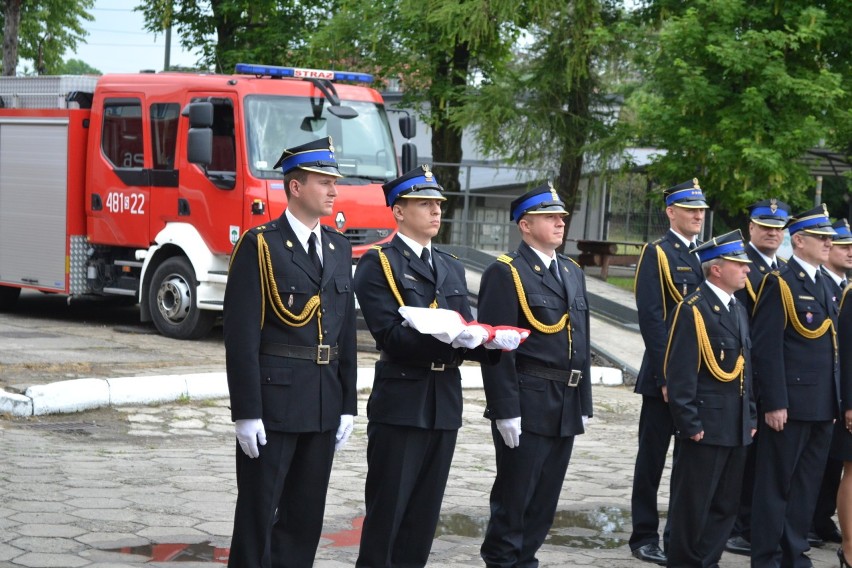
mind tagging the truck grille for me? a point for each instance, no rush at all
(358, 237)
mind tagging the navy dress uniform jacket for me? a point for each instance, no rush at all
(656, 301)
(759, 269)
(547, 408)
(290, 395)
(725, 411)
(803, 375)
(406, 392)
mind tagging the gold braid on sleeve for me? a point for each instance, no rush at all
(563, 322)
(386, 268)
(710, 359)
(666, 279)
(790, 316)
(269, 290)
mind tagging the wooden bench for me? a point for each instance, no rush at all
(608, 253)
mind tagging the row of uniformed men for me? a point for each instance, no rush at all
(289, 329)
(739, 341)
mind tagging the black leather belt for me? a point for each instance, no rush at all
(431, 365)
(321, 354)
(570, 378)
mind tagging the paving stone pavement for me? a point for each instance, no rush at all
(120, 486)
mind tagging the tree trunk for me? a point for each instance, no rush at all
(10, 37)
(446, 138)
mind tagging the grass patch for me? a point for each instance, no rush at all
(622, 282)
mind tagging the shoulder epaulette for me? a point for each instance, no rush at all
(264, 228)
(692, 298)
(436, 249)
(658, 241)
(331, 229)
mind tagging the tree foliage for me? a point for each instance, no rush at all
(76, 67)
(46, 29)
(271, 32)
(736, 91)
(546, 108)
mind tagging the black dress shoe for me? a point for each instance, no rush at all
(650, 553)
(738, 545)
(814, 540)
(830, 534)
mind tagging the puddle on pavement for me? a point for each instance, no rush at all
(177, 552)
(602, 528)
(605, 527)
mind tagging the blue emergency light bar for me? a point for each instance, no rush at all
(301, 73)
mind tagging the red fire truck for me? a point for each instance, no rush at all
(140, 185)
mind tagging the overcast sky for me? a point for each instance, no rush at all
(118, 43)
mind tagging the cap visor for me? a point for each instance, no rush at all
(738, 257)
(773, 223)
(547, 210)
(425, 193)
(697, 204)
(327, 170)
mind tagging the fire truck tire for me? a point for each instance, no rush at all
(172, 299)
(8, 297)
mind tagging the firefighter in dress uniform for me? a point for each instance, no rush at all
(795, 373)
(666, 273)
(289, 330)
(708, 380)
(767, 219)
(538, 396)
(415, 407)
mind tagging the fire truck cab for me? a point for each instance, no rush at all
(140, 185)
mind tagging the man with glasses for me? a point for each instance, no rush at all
(767, 219)
(794, 352)
(835, 272)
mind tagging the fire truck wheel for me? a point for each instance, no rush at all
(8, 297)
(173, 303)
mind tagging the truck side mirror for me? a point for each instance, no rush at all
(199, 148)
(407, 127)
(409, 156)
(200, 114)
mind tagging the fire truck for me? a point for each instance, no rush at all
(140, 185)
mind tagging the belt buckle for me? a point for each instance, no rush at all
(437, 367)
(323, 354)
(575, 377)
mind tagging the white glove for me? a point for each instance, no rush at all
(250, 433)
(586, 421)
(347, 421)
(506, 339)
(471, 337)
(442, 324)
(510, 429)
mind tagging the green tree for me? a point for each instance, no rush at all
(547, 108)
(46, 28)
(436, 49)
(736, 91)
(271, 32)
(76, 67)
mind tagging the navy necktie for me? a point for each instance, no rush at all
(555, 271)
(425, 256)
(312, 252)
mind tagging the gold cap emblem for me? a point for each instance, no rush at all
(553, 191)
(773, 205)
(695, 183)
(330, 145)
(427, 173)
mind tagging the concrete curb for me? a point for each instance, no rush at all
(77, 395)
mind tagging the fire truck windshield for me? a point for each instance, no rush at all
(363, 145)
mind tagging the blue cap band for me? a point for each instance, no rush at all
(531, 203)
(734, 247)
(767, 212)
(692, 193)
(407, 185)
(318, 157)
(803, 224)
